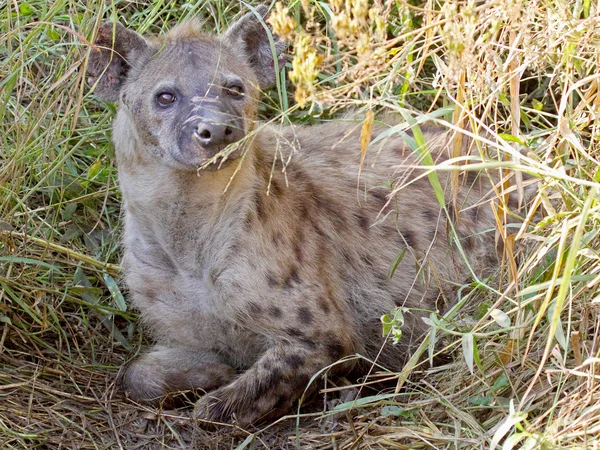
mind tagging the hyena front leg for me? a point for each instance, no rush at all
(271, 386)
(165, 370)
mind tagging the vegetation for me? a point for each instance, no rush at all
(521, 76)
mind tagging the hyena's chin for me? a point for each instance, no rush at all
(203, 162)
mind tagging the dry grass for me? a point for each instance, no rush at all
(525, 372)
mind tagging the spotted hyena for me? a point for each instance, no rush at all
(262, 268)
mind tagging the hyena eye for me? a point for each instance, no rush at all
(235, 90)
(165, 98)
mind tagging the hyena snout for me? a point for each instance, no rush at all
(208, 131)
(216, 130)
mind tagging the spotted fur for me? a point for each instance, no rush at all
(254, 274)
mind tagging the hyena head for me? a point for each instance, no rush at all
(187, 94)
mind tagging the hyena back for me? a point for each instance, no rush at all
(257, 271)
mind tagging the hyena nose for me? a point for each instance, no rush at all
(210, 134)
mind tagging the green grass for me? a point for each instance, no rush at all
(524, 76)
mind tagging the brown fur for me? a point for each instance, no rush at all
(250, 290)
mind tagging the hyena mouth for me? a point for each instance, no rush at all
(222, 158)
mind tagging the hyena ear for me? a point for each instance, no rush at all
(249, 34)
(109, 63)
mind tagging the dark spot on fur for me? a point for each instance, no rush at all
(255, 309)
(468, 242)
(259, 206)
(472, 176)
(303, 212)
(267, 365)
(334, 347)
(294, 332)
(474, 213)
(326, 207)
(292, 278)
(269, 382)
(409, 237)
(367, 260)
(347, 257)
(399, 301)
(362, 220)
(137, 106)
(274, 376)
(282, 402)
(275, 311)
(248, 222)
(275, 188)
(452, 211)
(272, 280)
(309, 343)
(150, 139)
(304, 315)
(294, 361)
(491, 260)
(297, 172)
(324, 305)
(429, 215)
(513, 202)
(432, 299)
(298, 252)
(380, 197)
(259, 162)
(432, 234)
(319, 231)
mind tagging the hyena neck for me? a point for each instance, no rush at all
(172, 207)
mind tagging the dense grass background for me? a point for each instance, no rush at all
(522, 73)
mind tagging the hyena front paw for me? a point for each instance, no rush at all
(225, 405)
(166, 370)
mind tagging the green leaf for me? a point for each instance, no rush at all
(5, 319)
(393, 323)
(501, 382)
(94, 169)
(395, 263)
(72, 232)
(53, 34)
(468, 346)
(25, 9)
(69, 210)
(364, 401)
(597, 175)
(246, 442)
(480, 400)
(500, 317)
(512, 419)
(115, 292)
(432, 342)
(513, 440)
(537, 105)
(91, 295)
(559, 334)
(511, 138)
(392, 410)
(35, 262)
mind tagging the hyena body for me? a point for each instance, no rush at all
(254, 275)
